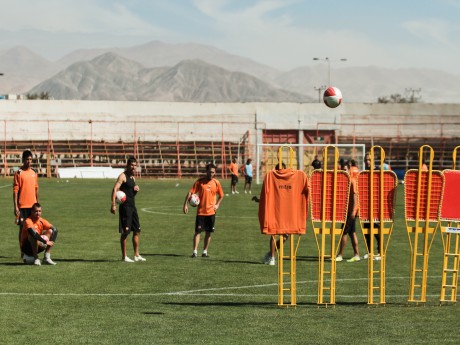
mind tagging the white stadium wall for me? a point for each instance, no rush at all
(113, 121)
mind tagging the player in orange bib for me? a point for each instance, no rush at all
(207, 189)
(37, 235)
(234, 175)
(350, 225)
(25, 190)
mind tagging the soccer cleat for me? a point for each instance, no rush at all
(205, 255)
(194, 255)
(271, 261)
(250, 192)
(339, 258)
(366, 256)
(266, 258)
(126, 259)
(48, 261)
(245, 192)
(139, 258)
(37, 262)
(377, 257)
(237, 192)
(354, 259)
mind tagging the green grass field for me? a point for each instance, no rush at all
(91, 297)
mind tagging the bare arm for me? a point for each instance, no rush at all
(15, 203)
(116, 188)
(185, 207)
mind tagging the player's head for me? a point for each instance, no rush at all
(283, 166)
(249, 161)
(210, 170)
(234, 160)
(131, 164)
(36, 210)
(27, 157)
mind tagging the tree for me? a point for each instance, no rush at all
(397, 98)
(41, 95)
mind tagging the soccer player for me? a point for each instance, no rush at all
(207, 189)
(234, 172)
(25, 190)
(350, 225)
(32, 237)
(247, 172)
(316, 164)
(129, 219)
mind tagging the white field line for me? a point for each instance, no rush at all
(154, 210)
(207, 292)
(6, 185)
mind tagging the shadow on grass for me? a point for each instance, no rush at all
(222, 304)
(339, 304)
(165, 254)
(211, 259)
(84, 260)
(308, 258)
(19, 263)
(152, 313)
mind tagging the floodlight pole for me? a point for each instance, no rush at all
(91, 143)
(328, 60)
(320, 89)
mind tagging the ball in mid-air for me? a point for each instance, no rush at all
(194, 200)
(120, 197)
(332, 97)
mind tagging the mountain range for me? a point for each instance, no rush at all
(158, 71)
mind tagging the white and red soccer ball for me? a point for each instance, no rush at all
(332, 97)
(120, 197)
(41, 244)
(194, 200)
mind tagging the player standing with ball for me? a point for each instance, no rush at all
(129, 219)
(207, 189)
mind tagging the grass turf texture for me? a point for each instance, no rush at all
(91, 297)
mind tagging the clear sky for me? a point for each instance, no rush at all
(284, 34)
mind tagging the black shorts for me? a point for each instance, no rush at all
(350, 226)
(205, 223)
(234, 180)
(27, 249)
(24, 213)
(248, 179)
(128, 219)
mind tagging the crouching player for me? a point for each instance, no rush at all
(37, 235)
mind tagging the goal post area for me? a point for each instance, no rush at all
(304, 154)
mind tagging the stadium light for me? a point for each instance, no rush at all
(328, 60)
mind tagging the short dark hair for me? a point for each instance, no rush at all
(277, 167)
(36, 205)
(210, 166)
(26, 154)
(131, 160)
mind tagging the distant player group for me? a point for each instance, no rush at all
(37, 235)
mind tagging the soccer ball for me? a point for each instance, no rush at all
(120, 198)
(332, 97)
(194, 200)
(41, 244)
